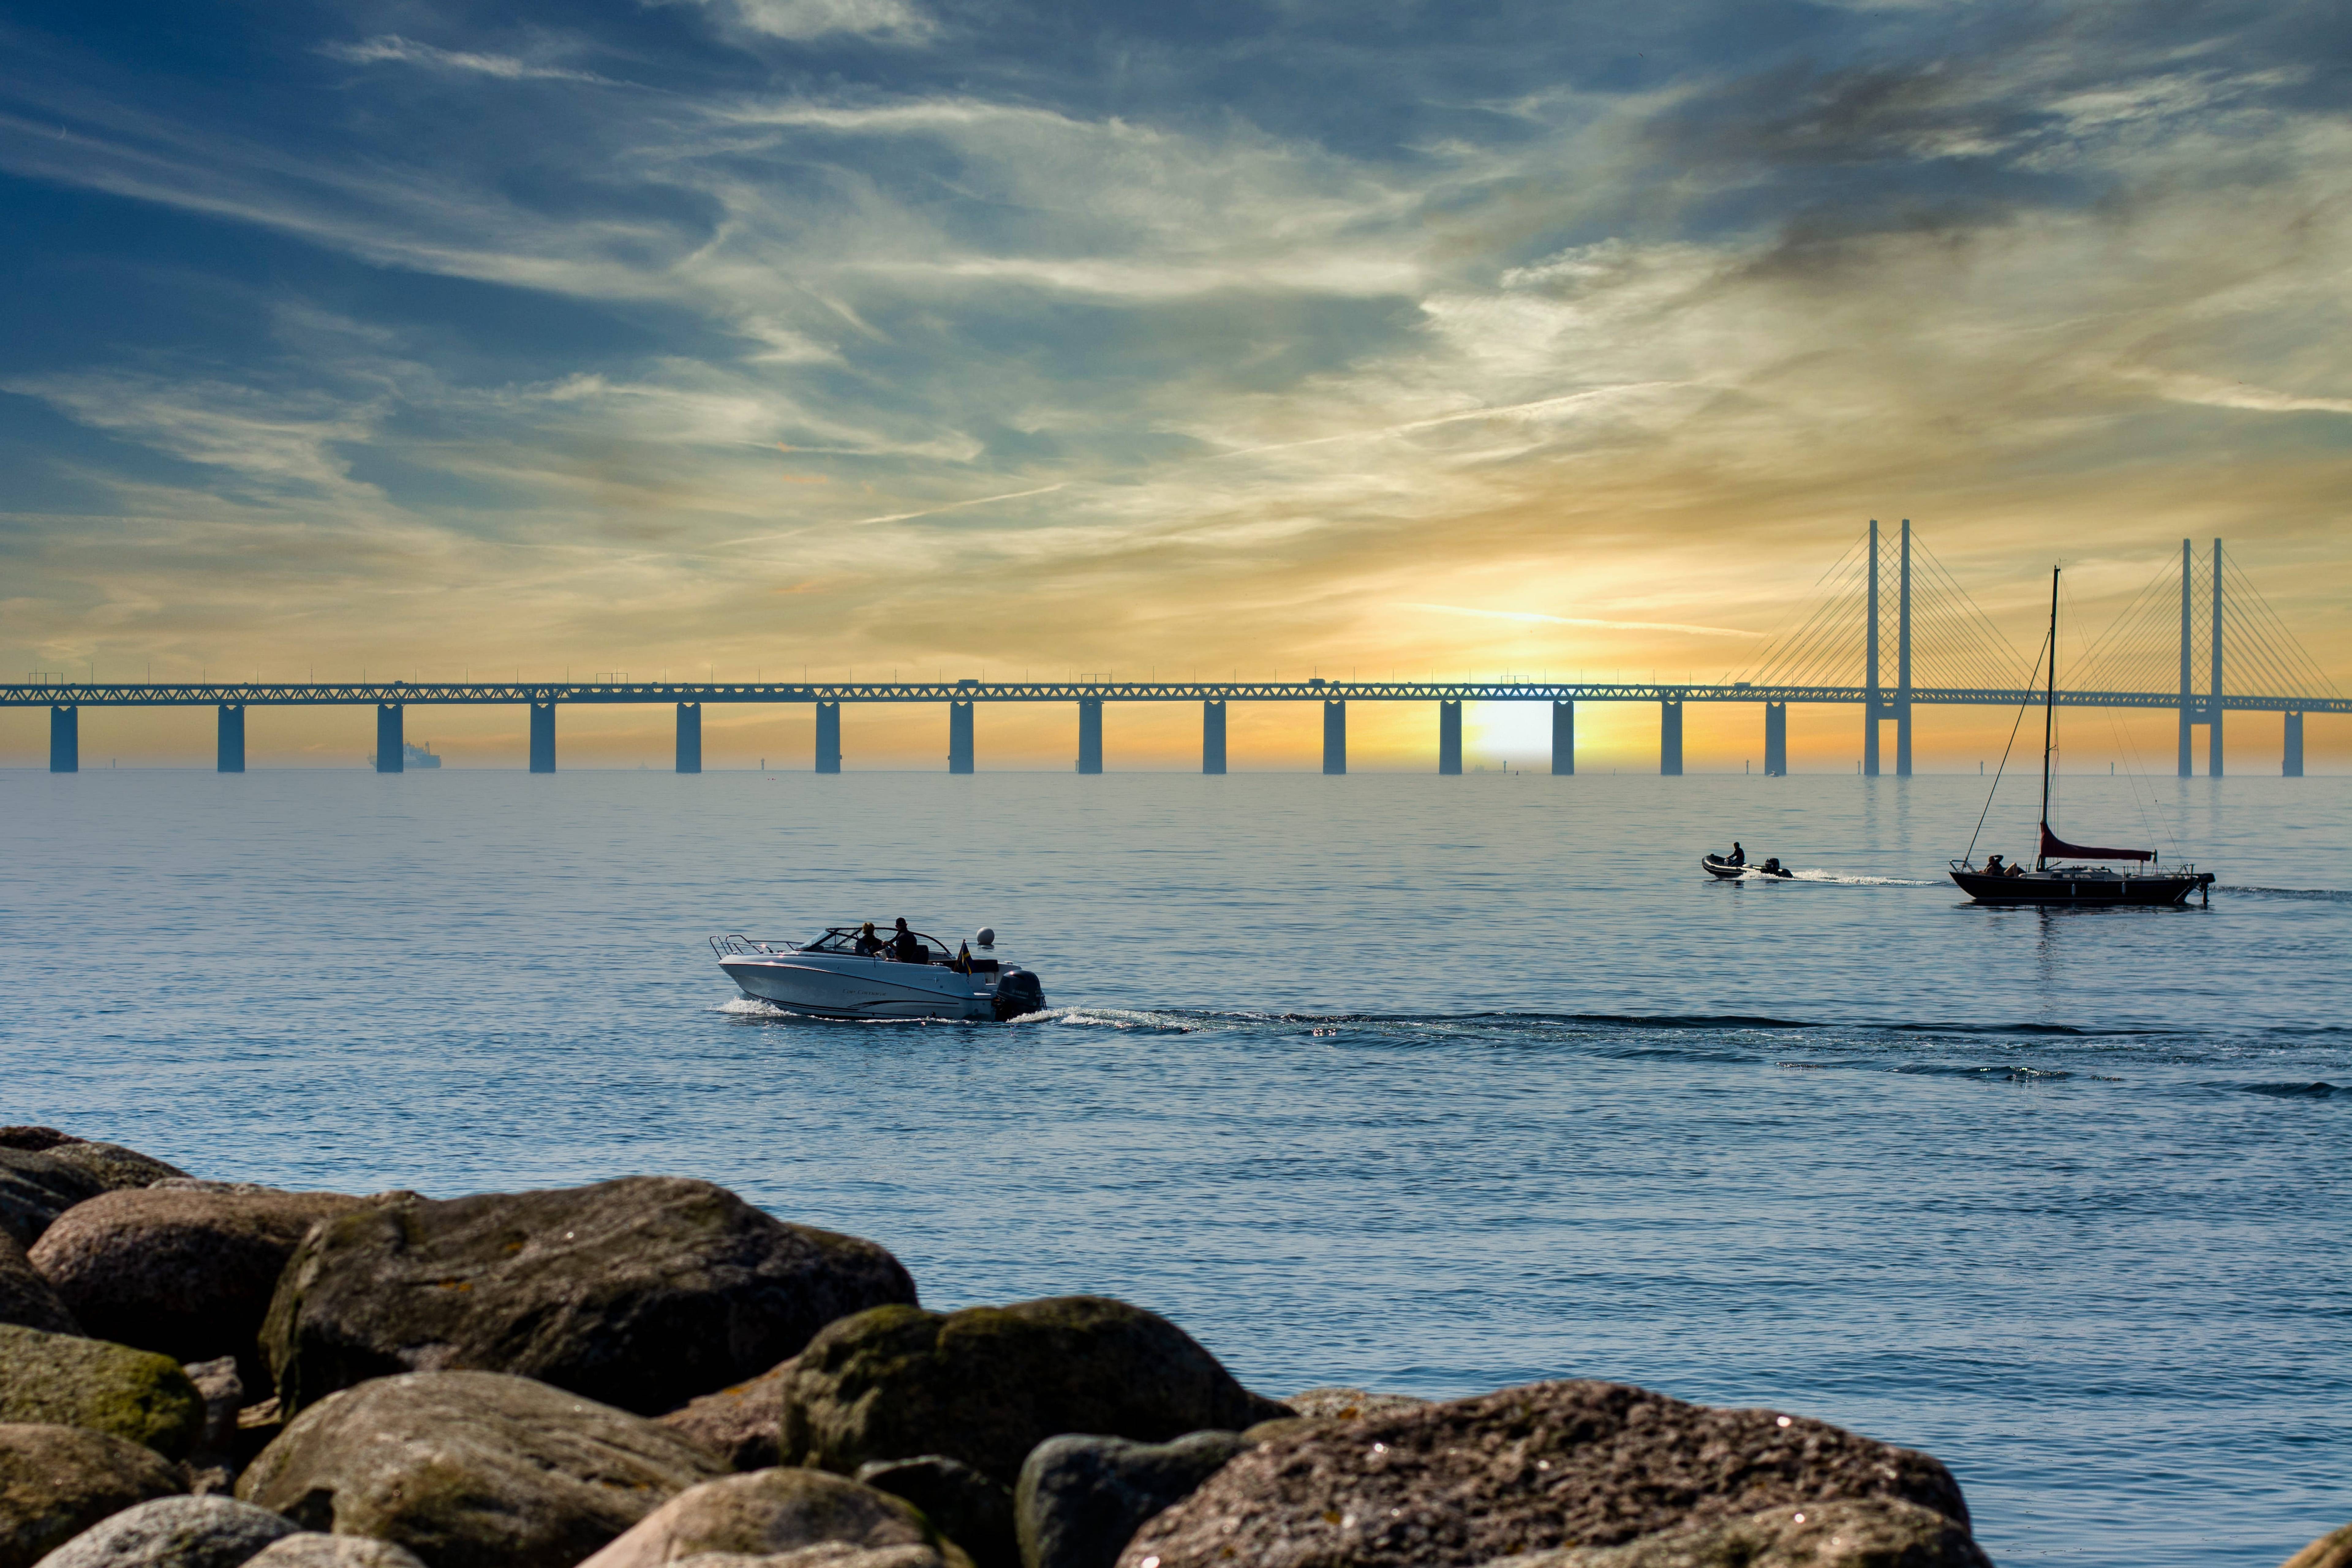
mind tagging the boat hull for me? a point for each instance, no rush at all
(840, 987)
(2091, 892)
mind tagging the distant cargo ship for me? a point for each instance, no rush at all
(413, 755)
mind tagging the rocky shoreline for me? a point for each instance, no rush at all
(202, 1374)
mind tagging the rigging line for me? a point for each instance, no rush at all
(2013, 724)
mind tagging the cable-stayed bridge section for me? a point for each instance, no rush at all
(1888, 606)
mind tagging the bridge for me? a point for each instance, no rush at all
(1935, 627)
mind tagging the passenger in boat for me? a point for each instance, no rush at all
(2016, 868)
(1738, 855)
(906, 947)
(1993, 866)
(868, 945)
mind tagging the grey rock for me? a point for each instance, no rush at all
(1331, 1405)
(68, 1380)
(115, 1165)
(766, 1512)
(988, 1384)
(57, 1481)
(217, 1456)
(473, 1469)
(309, 1550)
(641, 1293)
(183, 1271)
(741, 1421)
(38, 1186)
(174, 1533)
(1526, 1470)
(26, 1299)
(1864, 1533)
(964, 1505)
(34, 1140)
(1081, 1499)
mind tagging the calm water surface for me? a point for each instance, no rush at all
(1431, 1084)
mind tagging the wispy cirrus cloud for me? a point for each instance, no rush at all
(391, 48)
(1529, 618)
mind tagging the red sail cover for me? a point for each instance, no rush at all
(2055, 848)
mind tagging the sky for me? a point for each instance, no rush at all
(685, 338)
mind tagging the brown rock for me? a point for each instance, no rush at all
(1526, 1470)
(473, 1469)
(824, 1554)
(309, 1550)
(57, 1481)
(26, 1299)
(35, 1187)
(1866, 1532)
(115, 1165)
(770, 1511)
(2333, 1549)
(641, 1293)
(34, 1140)
(986, 1385)
(740, 1422)
(186, 1272)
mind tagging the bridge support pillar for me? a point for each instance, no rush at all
(959, 747)
(1449, 737)
(1212, 737)
(1670, 740)
(1903, 737)
(2292, 768)
(1335, 736)
(542, 738)
(390, 739)
(828, 737)
(229, 733)
(1776, 740)
(64, 738)
(690, 738)
(2213, 713)
(1090, 735)
(1563, 738)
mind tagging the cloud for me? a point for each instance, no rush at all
(1530, 619)
(892, 21)
(2212, 392)
(390, 48)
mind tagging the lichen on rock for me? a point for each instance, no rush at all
(68, 1380)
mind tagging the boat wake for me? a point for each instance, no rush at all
(2316, 894)
(1828, 878)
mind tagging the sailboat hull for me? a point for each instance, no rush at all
(2094, 890)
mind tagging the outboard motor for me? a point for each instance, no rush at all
(1018, 992)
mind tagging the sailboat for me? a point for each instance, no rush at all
(2059, 874)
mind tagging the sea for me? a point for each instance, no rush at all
(1425, 1085)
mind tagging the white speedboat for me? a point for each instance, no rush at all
(849, 974)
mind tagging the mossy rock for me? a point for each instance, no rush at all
(68, 1381)
(57, 1481)
(986, 1385)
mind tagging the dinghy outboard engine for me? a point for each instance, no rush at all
(1018, 992)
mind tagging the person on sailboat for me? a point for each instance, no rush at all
(1993, 866)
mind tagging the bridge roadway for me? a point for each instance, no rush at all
(391, 698)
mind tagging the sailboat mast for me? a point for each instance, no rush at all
(2049, 720)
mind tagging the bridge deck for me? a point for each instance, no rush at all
(244, 693)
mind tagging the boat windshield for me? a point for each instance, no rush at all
(844, 939)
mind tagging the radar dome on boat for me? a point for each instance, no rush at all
(985, 937)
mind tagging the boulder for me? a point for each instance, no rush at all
(826, 1554)
(34, 1140)
(309, 1550)
(641, 1293)
(1081, 1499)
(766, 1512)
(473, 1469)
(964, 1505)
(217, 1456)
(1860, 1532)
(26, 1299)
(115, 1165)
(986, 1385)
(174, 1533)
(38, 1186)
(183, 1271)
(68, 1381)
(2333, 1549)
(1331, 1405)
(57, 1481)
(1526, 1470)
(741, 1421)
